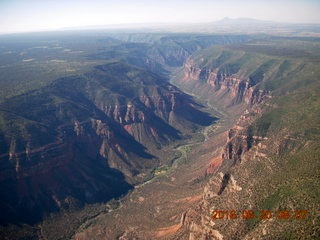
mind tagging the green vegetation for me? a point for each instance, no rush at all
(259, 74)
(281, 171)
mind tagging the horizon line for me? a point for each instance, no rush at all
(154, 25)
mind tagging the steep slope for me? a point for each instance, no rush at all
(228, 77)
(82, 138)
(266, 186)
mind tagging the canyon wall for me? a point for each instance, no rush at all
(83, 139)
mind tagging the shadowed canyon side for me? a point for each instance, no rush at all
(83, 138)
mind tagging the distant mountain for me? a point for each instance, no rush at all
(242, 21)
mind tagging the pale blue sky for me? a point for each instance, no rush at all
(34, 15)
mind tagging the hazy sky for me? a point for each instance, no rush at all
(34, 15)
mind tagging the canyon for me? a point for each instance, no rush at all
(163, 131)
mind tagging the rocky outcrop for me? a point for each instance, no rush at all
(240, 138)
(140, 109)
(242, 145)
(229, 85)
